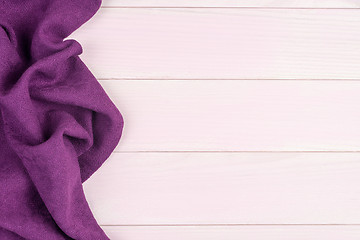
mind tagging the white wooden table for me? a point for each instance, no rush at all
(242, 119)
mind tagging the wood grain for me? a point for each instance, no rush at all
(226, 188)
(238, 115)
(163, 43)
(233, 3)
(241, 119)
(234, 233)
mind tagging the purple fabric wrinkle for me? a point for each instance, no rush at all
(57, 124)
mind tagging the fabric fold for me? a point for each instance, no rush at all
(57, 124)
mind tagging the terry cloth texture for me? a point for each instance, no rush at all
(57, 125)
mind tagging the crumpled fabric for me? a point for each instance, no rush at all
(57, 124)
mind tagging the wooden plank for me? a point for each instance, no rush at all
(238, 115)
(165, 43)
(233, 3)
(226, 188)
(234, 233)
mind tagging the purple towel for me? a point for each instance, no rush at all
(57, 124)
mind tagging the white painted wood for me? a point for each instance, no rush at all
(135, 40)
(226, 188)
(234, 3)
(222, 43)
(238, 115)
(234, 233)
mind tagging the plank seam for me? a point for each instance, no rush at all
(165, 151)
(222, 79)
(272, 8)
(220, 225)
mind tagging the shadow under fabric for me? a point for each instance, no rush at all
(57, 125)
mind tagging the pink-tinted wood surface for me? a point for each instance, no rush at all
(234, 3)
(167, 43)
(219, 115)
(242, 119)
(235, 232)
(226, 188)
